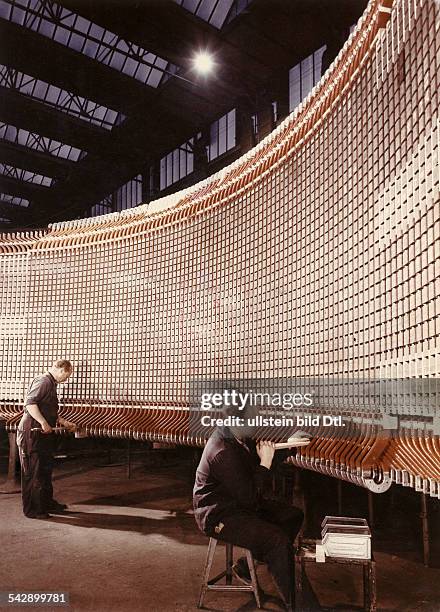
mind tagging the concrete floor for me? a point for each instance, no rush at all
(132, 545)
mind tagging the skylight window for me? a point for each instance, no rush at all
(14, 200)
(60, 99)
(25, 175)
(71, 30)
(215, 12)
(39, 143)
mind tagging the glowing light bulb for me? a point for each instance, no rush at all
(203, 62)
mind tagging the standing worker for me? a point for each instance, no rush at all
(36, 448)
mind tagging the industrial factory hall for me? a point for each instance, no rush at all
(220, 305)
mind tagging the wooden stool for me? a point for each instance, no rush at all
(211, 585)
(306, 554)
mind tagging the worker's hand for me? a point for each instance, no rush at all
(266, 452)
(70, 426)
(46, 428)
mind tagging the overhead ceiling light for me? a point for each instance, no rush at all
(203, 62)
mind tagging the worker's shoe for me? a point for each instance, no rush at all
(41, 516)
(240, 569)
(57, 507)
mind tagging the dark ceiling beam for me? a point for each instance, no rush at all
(290, 31)
(283, 41)
(15, 212)
(166, 29)
(159, 26)
(33, 54)
(22, 189)
(22, 111)
(35, 161)
(249, 51)
(132, 146)
(268, 36)
(124, 153)
(128, 155)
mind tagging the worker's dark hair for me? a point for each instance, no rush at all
(236, 411)
(63, 364)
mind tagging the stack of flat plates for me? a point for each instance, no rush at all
(346, 537)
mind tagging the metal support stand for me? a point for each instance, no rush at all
(306, 553)
(425, 530)
(299, 499)
(229, 564)
(210, 584)
(11, 485)
(128, 458)
(340, 497)
(371, 509)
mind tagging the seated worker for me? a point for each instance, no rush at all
(36, 447)
(230, 505)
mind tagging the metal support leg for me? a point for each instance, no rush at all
(128, 458)
(299, 499)
(11, 485)
(369, 576)
(425, 530)
(366, 583)
(372, 586)
(211, 584)
(207, 571)
(255, 588)
(229, 562)
(298, 584)
(371, 509)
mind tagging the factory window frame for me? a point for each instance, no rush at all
(304, 76)
(177, 164)
(26, 176)
(254, 121)
(75, 32)
(274, 106)
(39, 143)
(127, 196)
(222, 135)
(103, 208)
(215, 12)
(14, 200)
(60, 99)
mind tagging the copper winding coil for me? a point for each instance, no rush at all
(364, 455)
